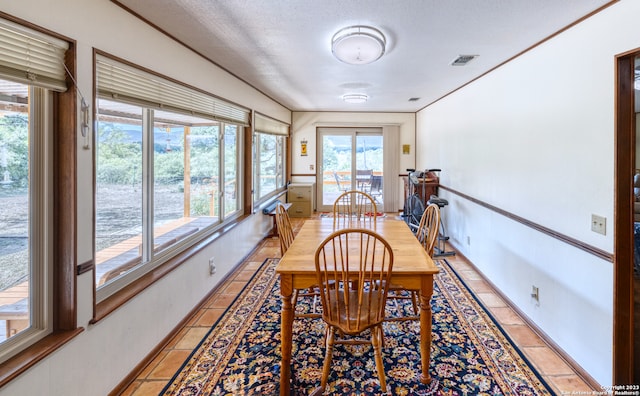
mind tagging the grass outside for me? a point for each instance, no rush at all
(118, 220)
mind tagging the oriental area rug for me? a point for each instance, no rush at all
(470, 354)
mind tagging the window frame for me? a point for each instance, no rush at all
(61, 324)
(121, 290)
(239, 171)
(264, 125)
(40, 223)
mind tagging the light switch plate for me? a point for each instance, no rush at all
(599, 224)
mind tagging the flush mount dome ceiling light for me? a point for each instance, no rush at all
(358, 45)
(355, 98)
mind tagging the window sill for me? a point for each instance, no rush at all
(28, 358)
(266, 201)
(111, 303)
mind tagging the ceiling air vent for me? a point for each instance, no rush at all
(462, 60)
(414, 99)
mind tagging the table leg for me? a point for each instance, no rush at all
(274, 227)
(286, 334)
(426, 291)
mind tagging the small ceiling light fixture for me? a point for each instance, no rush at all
(358, 45)
(355, 98)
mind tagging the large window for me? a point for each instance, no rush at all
(231, 169)
(167, 171)
(22, 151)
(32, 74)
(270, 151)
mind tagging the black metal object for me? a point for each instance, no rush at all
(440, 248)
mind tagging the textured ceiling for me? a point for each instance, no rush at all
(283, 47)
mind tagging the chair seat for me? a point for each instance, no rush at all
(354, 295)
(360, 316)
(427, 234)
(286, 237)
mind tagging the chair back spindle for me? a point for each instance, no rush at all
(353, 268)
(354, 209)
(427, 232)
(283, 225)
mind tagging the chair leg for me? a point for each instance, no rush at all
(376, 340)
(414, 301)
(315, 300)
(294, 299)
(327, 358)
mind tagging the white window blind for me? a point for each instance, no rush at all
(124, 83)
(30, 57)
(269, 125)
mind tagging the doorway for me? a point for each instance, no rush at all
(626, 324)
(349, 159)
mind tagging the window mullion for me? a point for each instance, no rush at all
(221, 172)
(147, 184)
(256, 172)
(39, 234)
(280, 164)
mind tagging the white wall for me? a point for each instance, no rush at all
(99, 358)
(304, 125)
(536, 138)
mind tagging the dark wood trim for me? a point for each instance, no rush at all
(64, 190)
(582, 373)
(345, 124)
(64, 203)
(40, 29)
(605, 6)
(623, 221)
(314, 174)
(94, 183)
(118, 299)
(64, 242)
(85, 267)
(128, 380)
(129, 10)
(247, 197)
(139, 368)
(31, 356)
(554, 234)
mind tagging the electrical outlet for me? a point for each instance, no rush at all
(468, 240)
(599, 224)
(212, 266)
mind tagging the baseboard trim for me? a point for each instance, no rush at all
(581, 372)
(139, 368)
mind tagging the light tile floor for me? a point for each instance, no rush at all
(556, 372)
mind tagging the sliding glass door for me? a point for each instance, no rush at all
(349, 159)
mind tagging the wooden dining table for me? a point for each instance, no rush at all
(412, 268)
